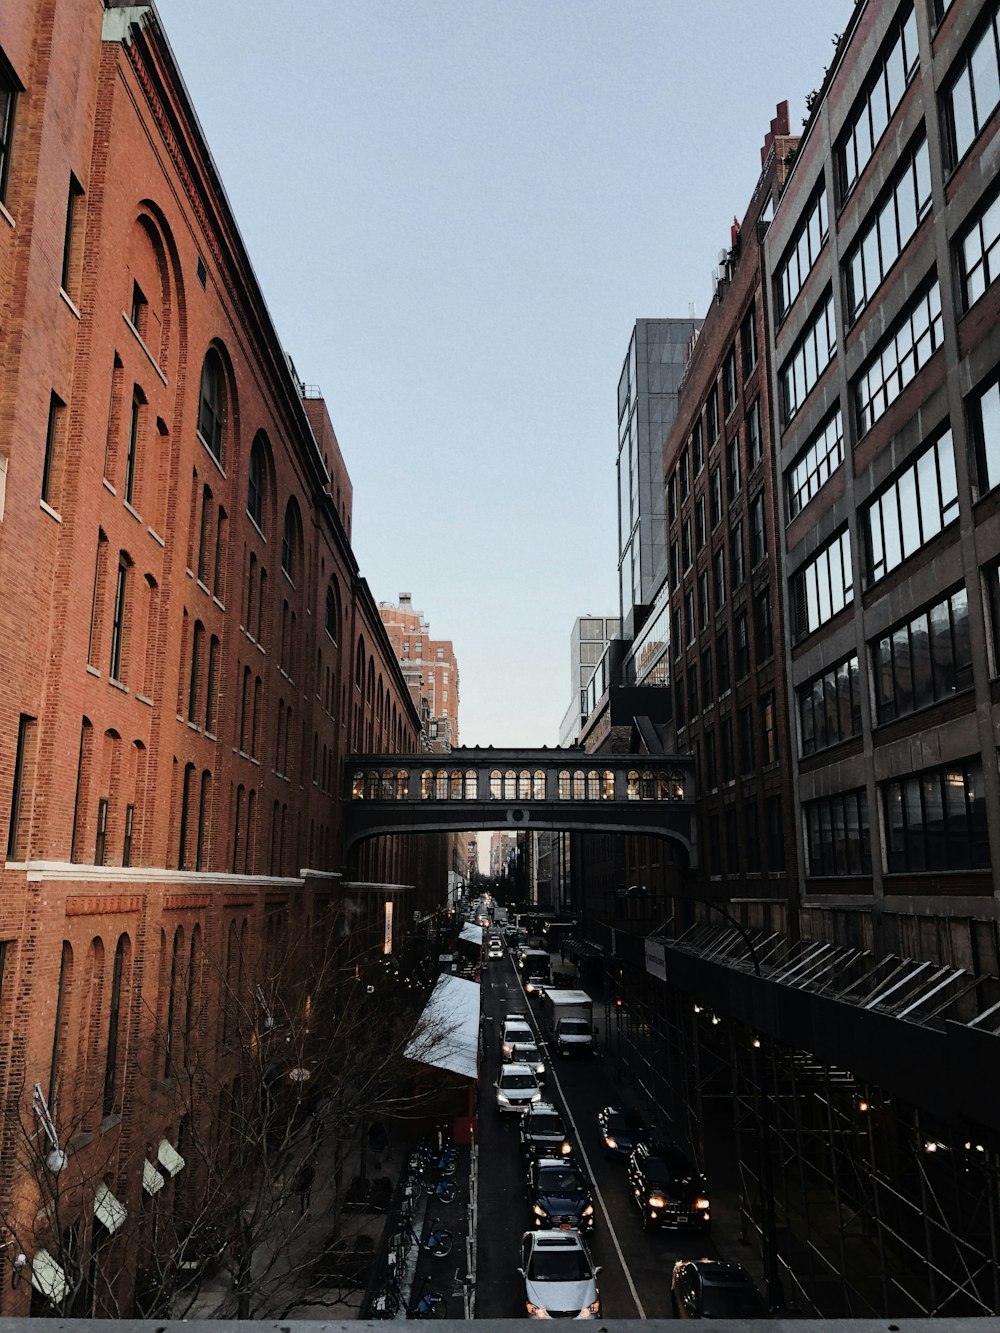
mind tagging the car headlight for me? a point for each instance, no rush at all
(702, 1205)
(610, 1143)
(536, 1096)
(594, 1308)
(588, 1211)
(536, 1311)
(566, 1148)
(503, 1099)
(657, 1201)
(507, 1048)
(540, 1067)
(538, 1210)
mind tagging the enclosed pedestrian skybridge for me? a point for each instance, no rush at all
(546, 789)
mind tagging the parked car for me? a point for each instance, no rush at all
(560, 1282)
(707, 1289)
(559, 1194)
(527, 1053)
(517, 1088)
(622, 1129)
(543, 1132)
(667, 1187)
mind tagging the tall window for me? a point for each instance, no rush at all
(118, 624)
(758, 529)
(132, 457)
(741, 646)
(823, 587)
(729, 383)
(883, 92)
(748, 342)
(24, 763)
(290, 541)
(837, 840)
(830, 707)
(212, 684)
(53, 462)
(8, 100)
(924, 659)
(813, 351)
(256, 483)
(816, 463)
(895, 219)
(913, 509)
(769, 726)
(111, 1079)
(197, 640)
(907, 348)
(185, 811)
(983, 409)
(71, 239)
(205, 535)
(210, 405)
(971, 97)
(733, 468)
(332, 620)
(979, 251)
(802, 253)
(936, 820)
(755, 444)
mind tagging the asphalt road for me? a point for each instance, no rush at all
(635, 1273)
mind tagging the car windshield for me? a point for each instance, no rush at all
(575, 1027)
(544, 1124)
(559, 1180)
(735, 1301)
(513, 1035)
(669, 1162)
(518, 1081)
(551, 1265)
(526, 1051)
(625, 1122)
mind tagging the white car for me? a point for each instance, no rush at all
(527, 1053)
(495, 949)
(517, 1088)
(514, 1033)
(560, 1282)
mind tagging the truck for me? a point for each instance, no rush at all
(534, 965)
(568, 1021)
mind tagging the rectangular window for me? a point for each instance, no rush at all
(131, 458)
(24, 766)
(741, 646)
(748, 342)
(813, 351)
(829, 707)
(700, 522)
(733, 468)
(675, 565)
(907, 348)
(796, 265)
(72, 239)
(706, 678)
(138, 310)
(736, 554)
(679, 715)
(127, 844)
(983, 411)
(697, 449)
(729, 383)
(755, 444)
(726, 745)
(837, 837)
(678, 640)
(692, 699)
(689, 623)
(704, 608)
(719, 577)
(55, 452)
(686, 548)
(816, 463)
(684, 475)
(978, 247)
(894, 219)
(747, 757)
(117, 663)
(711, 772)
(769, 726)
(9, 88)
(758, 530)
(100, 843)
(823, 587)
(775, 834)
(914, 508)
(712, 416)
(883, 93)
(722, 661)
(715, 497)
(936, 820)
(751, 838)
(924, 659)
(972, 93)
(672, 497)
(762, 626)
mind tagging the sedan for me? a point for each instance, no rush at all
(667, 1187)
(494, 949)
(622, 1129)
(560, 1282)
(527, 1053)
(543, 1133)
(707, 1289)
(559, 1194)
(517, 1088)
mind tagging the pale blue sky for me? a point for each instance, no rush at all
(456, 211)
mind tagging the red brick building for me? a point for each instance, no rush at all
(188, 648)
(429, 665)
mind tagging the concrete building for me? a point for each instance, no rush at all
(588, 642)
(647, 403)
(430, 667)
(188, 650)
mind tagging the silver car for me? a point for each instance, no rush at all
(560, 1282)
(517, 1088)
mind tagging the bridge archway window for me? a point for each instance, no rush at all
(455, 783)
(510, 785)
(388, 785)
(564, 787)
(426, 785)
(471, 785)
(676, 785)
(648, 786)
(441, 784)
(538, 785)
(402, 785)
(524, 785)
(579, 785)
(593, 785)
(358, 787)
(632, 785)
(371, 786)
(496, 787)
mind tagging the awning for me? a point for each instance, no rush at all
(151, 1178)
(472, 934)
(168, 1157)
(108, 1210)
(447, 1032)
(47, 1277)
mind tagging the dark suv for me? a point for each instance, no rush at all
(667, 1187)
(559, 1194)
(543, 1133)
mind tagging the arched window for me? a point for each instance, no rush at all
(389, 785)
(119, 991)
(426, 785)
(496, 789)
(359, 666)
(579, 785)
(291, 540)
(357, 785)
(510, 785)
(333, 611)
(471, 785)
(538, 785)
(593, 785)
(648, 790)
(456, 785)
(371, 784)
(632, 785)
(524, 785)
(564, 788)
(441, 784)
(210, 407)
(257, 483)
(608, 786)
(402, 785)
(676, 786)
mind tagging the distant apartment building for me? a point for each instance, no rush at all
(588, 642)
(647, 404)
(882, 261)
(430, 668)
(724, 571)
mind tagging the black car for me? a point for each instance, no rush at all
(707, 1289)
(543, 1133)
(622, 1129)
(667, 1187)
(559, 1194)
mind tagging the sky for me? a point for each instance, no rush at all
(456, 210)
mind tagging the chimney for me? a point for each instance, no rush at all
(405, 601)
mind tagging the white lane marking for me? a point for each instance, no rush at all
(583, 1153)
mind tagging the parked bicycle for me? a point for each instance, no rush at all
(438, 1240)
(443, 1159)
(445, 1190)
(388, 1302)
